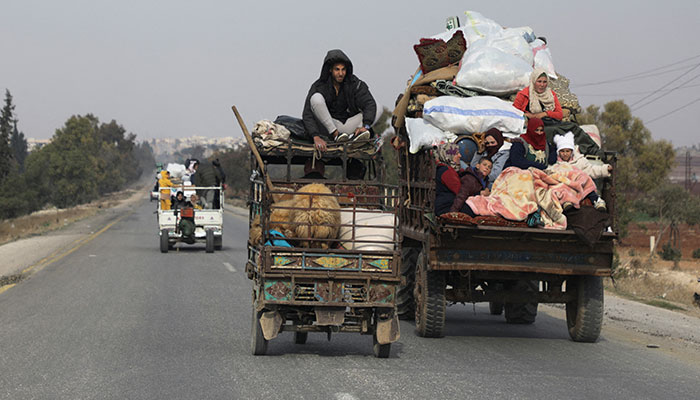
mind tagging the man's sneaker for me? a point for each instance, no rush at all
(364, 135)
(342, 137)
(600, 205)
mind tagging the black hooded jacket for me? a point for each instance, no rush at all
(354, 91)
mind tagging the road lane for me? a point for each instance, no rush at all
(118, 319)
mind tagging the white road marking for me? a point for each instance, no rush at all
(230, 267)
(345, 396)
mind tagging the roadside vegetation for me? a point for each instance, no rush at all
(84, 160)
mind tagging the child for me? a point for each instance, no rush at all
(474, 182)
(447, 183)
(164, 183)
(569, 154)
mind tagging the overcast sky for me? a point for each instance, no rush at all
(170, 68)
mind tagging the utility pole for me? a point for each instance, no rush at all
(688, 184)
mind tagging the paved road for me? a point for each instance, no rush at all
(117, 319)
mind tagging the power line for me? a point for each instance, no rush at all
(674, 111)
(663, 95)
(663, 86)
(633, 93)
(637, 75)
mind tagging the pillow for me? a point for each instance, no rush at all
(432, 54)
(456, 47)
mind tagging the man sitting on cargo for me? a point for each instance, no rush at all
(339, 106)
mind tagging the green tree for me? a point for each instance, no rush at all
(18, 144)
(73, 167)
(6, 124)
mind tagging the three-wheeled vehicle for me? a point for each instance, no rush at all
(208, 222)
(346, 283)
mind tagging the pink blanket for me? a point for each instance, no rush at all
(517, 193)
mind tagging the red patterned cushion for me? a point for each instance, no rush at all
(456, 47)
(432, 54)
(490, 220)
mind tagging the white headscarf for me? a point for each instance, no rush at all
(540, 101)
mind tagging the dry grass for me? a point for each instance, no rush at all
(51, 219)
(657, 283)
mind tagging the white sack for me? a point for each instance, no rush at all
(422, 134)
(490, 70)
(175, 170)
(594, 133)
(510, 42)
(473, 114)
(381, 236)
(476, 27)
(543, 57)
(525, 31)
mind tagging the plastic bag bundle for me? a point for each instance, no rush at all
(543, 57)
(476, 27)
(473, 114)
(525, 31)
(490, 70)
(421, 134)
(267, 130)
(511, 42)
(175, 170)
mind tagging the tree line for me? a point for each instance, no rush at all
(84, 160)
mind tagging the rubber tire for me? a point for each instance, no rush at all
(522, 313)
(380, 350)
(300, 337)
(405, 303)
(218, 242)
(258, 343)
(210, 241)
(584, 316)
(430, 300)
(164, 241)
(495, 307)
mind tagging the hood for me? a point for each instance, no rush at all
(332, 57)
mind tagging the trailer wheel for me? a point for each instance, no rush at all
(258, 343)
(300, 337)
(164, 245)
(210, 241)
(405, 303)
(495, 307)
(584, 316)
(218, 242)
(380, 350)
(522, 313)
(430, 299)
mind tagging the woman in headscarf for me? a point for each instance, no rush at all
(496, 150)
(447, 183)
(532, 149)
(536, 100)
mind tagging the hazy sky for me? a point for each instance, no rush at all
(169, 68)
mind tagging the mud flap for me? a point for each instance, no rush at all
(388, 329)
(330, 316)
(270, 322)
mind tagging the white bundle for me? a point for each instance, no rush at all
(473, 114)
(510, 42)
(543, 57)
(476, 27)
(490, 70)
(269, 133)
(525, 31)
(422, 134)
(175, 170)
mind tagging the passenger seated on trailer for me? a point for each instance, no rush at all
(164, 184)
(568, 154)
(474, 181)
(447, 183)
(195, 201)
(186, 223)
(495, 151)
(339, 106)
(537, 100)
(532, 149)
(314, 169)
